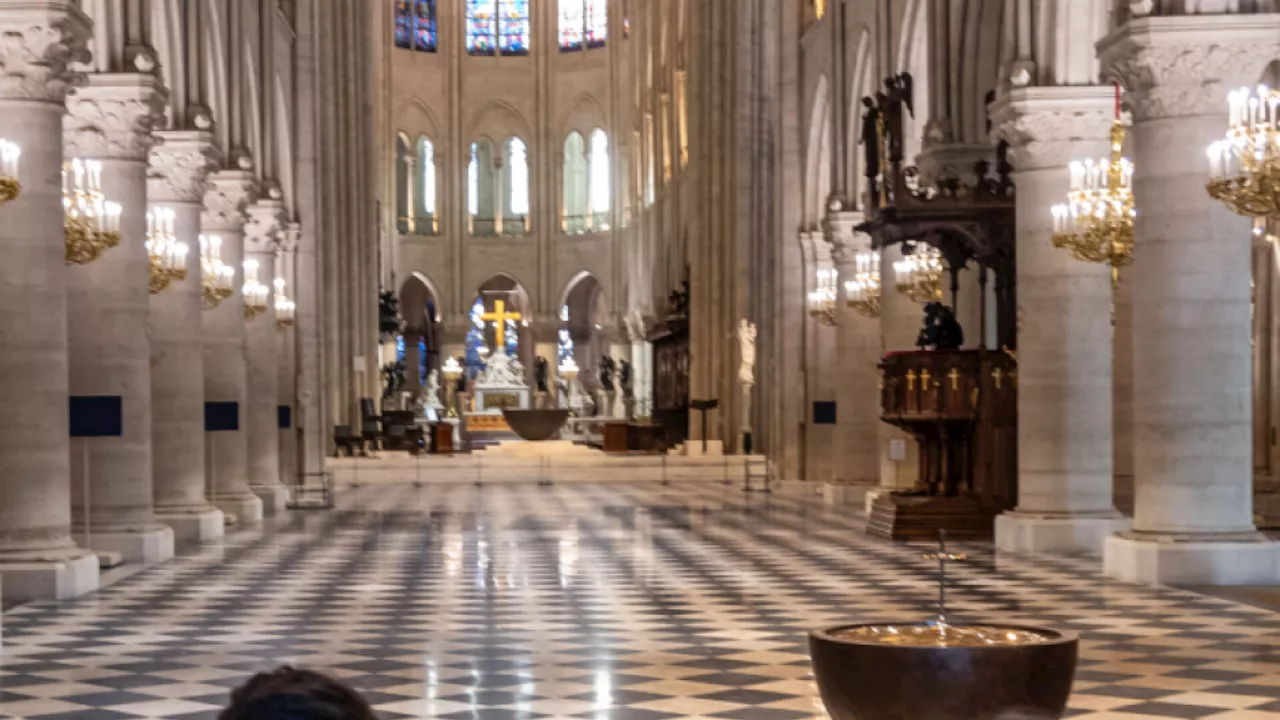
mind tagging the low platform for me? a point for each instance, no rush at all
(897, 516)
(524, 462)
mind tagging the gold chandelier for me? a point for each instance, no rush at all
(92, 225)
(1096, 223)
(255, 293)
(10, 188)
(167, 256)
(286, 309)
(862, 293)
(822, 299)
(919, 275)
(1245, 165)
(217, 279)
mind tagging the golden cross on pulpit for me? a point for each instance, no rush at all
(955, 378)
(500, 316)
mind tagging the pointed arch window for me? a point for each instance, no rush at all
(404, 181)
(425, 220)
(513, 27)
(576, 184)
(498, 188)
(517, 173)
(415, 22)
(601, 188)
(498, 26)
(583, 24)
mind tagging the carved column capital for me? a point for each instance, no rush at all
(112, 116)
(1046, 126)
(844, 240)
(228, 194)
(290, 238)
(815, 248)
(39, 43)
(1184, 66)
(263, 228)
(179, 164)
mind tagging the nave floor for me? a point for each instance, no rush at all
(631, 602)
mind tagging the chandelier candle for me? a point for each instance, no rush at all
(217, 278)
(822, 300)
(863, 291)
(255, 293)
(9, 185)
(919, 275)
(1245, 166)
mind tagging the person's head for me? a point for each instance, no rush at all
(290, 694)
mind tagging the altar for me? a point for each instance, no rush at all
(501, 385)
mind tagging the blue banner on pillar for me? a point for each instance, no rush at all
(824, 412)
(221, 416)
(97, 416)
(284, 417)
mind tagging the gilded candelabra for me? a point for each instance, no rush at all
(255, 293)
(1245, 165)
(919, 275)
(863, 292)
(217, 279)
(1096, 223)
(10, 187)
(286, 309)
(822, 299)
(92, 224)
(166, 255)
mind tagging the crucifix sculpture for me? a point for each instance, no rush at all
(500, 316)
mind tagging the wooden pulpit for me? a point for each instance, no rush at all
(961, 407)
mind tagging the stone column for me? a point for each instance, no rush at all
(262, 358)
(818, 382)
(412, 366)
(546, 339)
(856, 372)
(225, 379)
(38, 558)
(110, 121)
(287, 375)
(900, 322)
(176, 180)
(1064, 348)
(1122, 394)
(1191, 389)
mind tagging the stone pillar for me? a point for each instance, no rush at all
(900, 322)
(819, 378)
(1122, 394)
(287, 374)
(856, 372)
(1191, 389)
(1065, 499)
(546, 343)
(225, 379)
(176, 180)
(412, 367)
(262, 358)
(110, 121)
(38, 557)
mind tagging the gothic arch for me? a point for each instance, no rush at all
(861, 84)
(497, 121)
(414, 117)
(818, 156)
(414, 294)
(215, 68)
(585, 114)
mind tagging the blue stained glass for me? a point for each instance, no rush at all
(424, 25)
(482, 26)
(597, 21)
(404, 25)
(513, 26)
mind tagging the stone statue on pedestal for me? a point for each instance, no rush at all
(540, 374)
(627, 383)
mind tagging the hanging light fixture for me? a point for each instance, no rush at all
(1096, 223)
(863, 292)
(10, 188)
(822, 299)
(1245, 165)
(255, 293)
(286, 309)
(919, 275)
(92, 224)
(217, 279)
(167, 257)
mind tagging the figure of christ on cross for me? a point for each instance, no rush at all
(499, 317)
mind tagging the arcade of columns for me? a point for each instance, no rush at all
(101, 88)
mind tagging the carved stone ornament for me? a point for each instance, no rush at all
(1185, 66)
(846, 242)
(178, 167)
(38, 46)
(262, 229)
(291, 237)
(1052, 126)
(112, 116)
(229, 193)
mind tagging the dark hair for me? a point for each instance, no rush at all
(290, 694)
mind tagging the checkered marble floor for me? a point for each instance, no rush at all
(627, 602)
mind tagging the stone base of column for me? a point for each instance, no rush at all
(275, 498)
(146, 545)
(1162, 560)
(194, 526)
(246, 508)
(850, 493)
(62, 579)
(1032, 533)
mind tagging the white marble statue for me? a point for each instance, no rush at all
(747, 351)
(499, 373)
(431, 396)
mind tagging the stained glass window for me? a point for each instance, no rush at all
(424, 25)
(513, 26)
(404, 25)
(572, 25)
(482, 27)
(475, 338)
(565, 349)
(597, 22)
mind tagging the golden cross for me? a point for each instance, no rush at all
(924, 379)
(500, 316)
(955, 378)
(911, 380)
(997, 374)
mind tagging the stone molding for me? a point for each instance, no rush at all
(179, 164)
(845, 242)
(816, 250)
(39, 44)
(291, 238)
(112, 116)
(1185, 66)
(951, 160)
(262, 231)
(1045, 126)
(229, 193)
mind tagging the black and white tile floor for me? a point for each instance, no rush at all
(632, 602)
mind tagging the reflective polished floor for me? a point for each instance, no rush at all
(633, 602)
